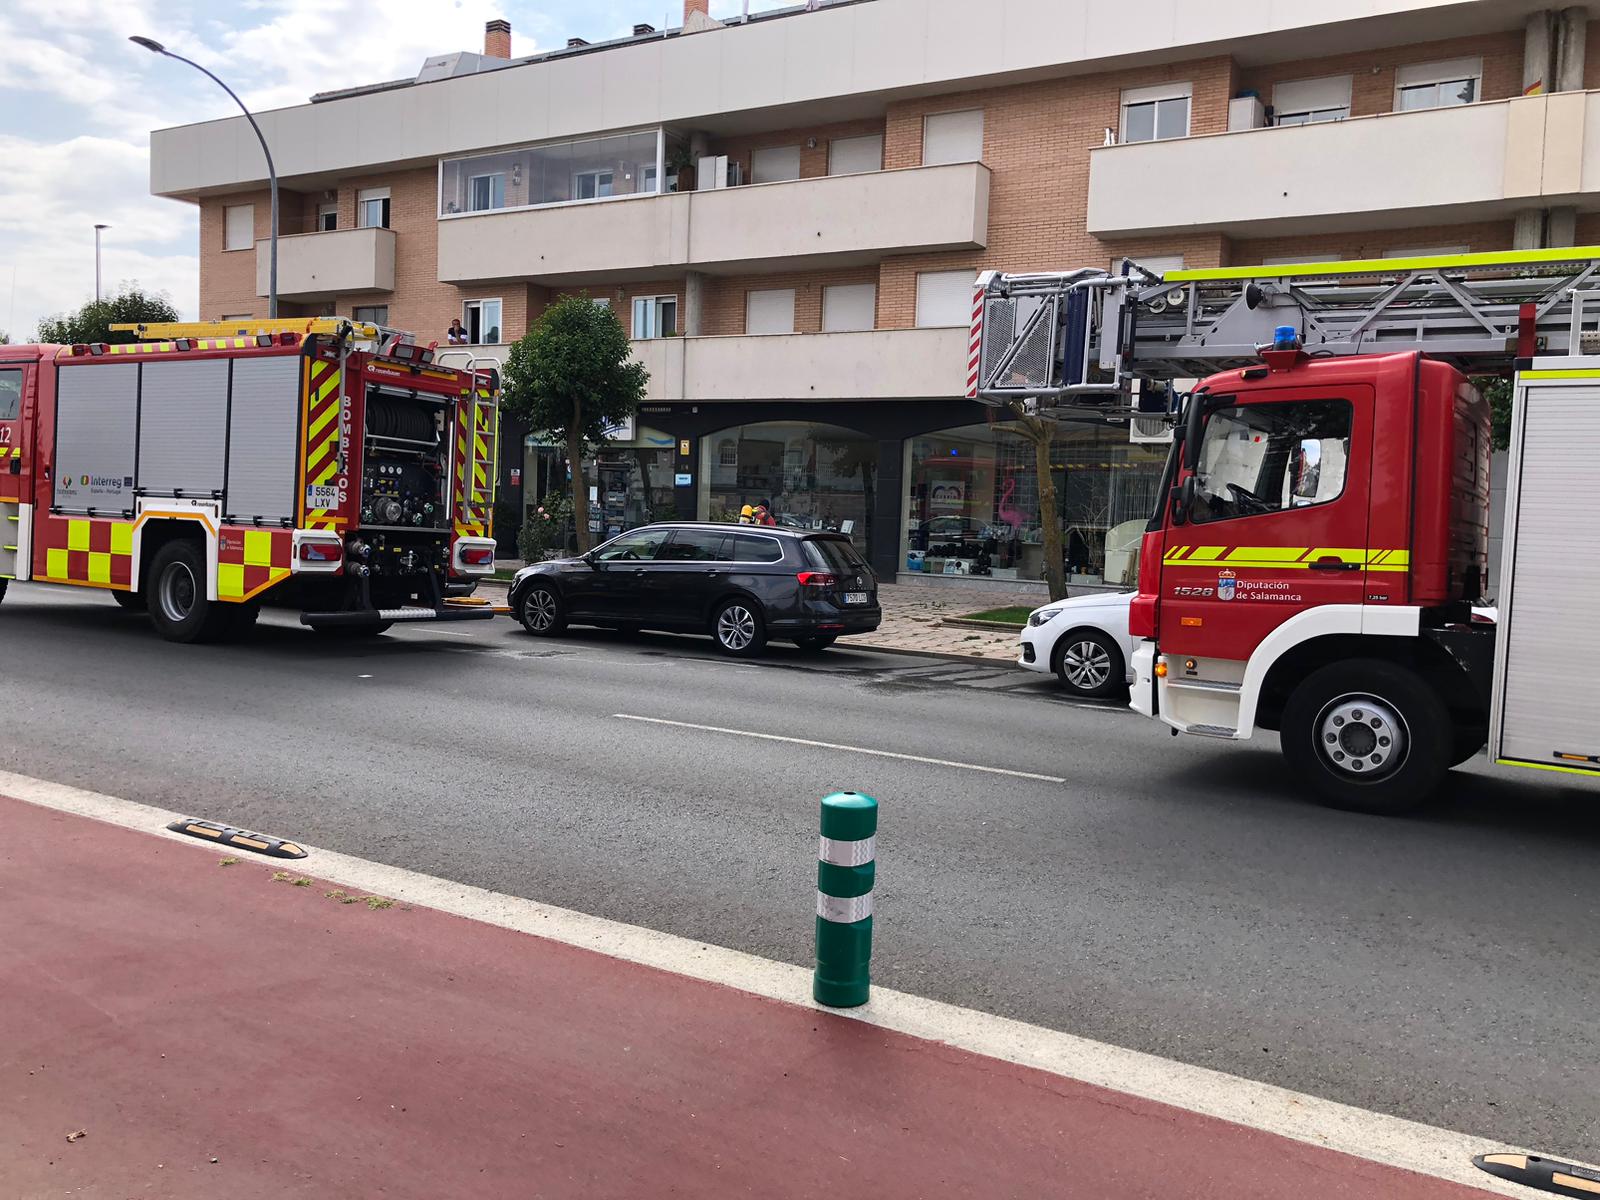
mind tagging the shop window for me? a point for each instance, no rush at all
(972, 503)
(807, 476)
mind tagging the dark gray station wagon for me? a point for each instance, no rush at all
(742, 584)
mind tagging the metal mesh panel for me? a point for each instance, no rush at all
(1004, 321)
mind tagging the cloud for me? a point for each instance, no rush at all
(51, 197)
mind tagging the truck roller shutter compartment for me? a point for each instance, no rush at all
(1547, 707)
(183, 425)
(262, 457)
(97, 411)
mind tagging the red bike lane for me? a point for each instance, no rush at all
(215, 1032)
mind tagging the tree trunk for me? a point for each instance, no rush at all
(580, 493)
(1041, 432)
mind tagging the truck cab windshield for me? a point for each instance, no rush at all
(1263, 458)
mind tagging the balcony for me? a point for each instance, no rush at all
(838, 220)
(1443, 166)
(319, 266)
(874, 364)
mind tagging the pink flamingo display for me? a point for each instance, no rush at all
(1010, 513)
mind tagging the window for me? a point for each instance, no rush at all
(833, 554)
(698, 545)
(375, 314)
(327, 218)
(239, 227)
(372, 208)
(747, 547)
(655, 316)
(10, 395)
(1263, 458)
(1154, 114)
(849, 306)
(632, 547)
(944, 298)
(236, 317)
(775, 164)
(597, 168)
(851, 156)
(1438, 84)
(1311, 101)
(769, 311)
(586, 185)
(1295, 260)
(952, 137)
(486, 192)
(482, 319)
(807, 476)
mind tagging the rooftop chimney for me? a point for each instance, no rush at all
(690, 7)
(497, 39)
(574, 43)
(641, 30)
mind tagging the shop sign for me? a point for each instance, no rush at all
(682, 480)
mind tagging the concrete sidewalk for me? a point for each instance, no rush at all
(179, 1028)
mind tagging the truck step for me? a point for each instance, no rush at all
(414, 613)
(1214, 731)
(1204, 685)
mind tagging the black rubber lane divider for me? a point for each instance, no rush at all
(1545, 1174)
(238, 839)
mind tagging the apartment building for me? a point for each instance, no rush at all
(787, 212)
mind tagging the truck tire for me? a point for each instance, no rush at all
(1368, 736)
(176, 596)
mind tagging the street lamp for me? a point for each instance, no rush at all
(97, 230)
(156, 47)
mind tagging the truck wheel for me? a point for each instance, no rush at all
(176, 596)
(1369, 736)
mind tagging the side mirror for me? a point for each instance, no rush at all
(1191, 430)
(1182, 499)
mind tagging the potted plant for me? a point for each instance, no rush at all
(681, 166)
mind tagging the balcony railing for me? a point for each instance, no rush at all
(314, 266)
(1474, 162)
(792, 225)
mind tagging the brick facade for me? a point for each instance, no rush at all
(1037, 141)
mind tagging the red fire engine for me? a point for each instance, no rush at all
(209, 469)
(1321, 535)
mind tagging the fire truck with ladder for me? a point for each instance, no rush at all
(1321, 537)
(207, 469)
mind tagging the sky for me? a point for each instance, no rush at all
(77, 102)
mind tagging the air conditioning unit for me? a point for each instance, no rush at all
(1153, 421)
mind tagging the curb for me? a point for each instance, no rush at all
(968, 623)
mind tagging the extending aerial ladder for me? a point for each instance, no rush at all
(1074, 343)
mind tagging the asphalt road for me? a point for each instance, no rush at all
(1175, 896)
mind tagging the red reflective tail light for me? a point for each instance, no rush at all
(818, 579)
(321, 552)
(478, 556)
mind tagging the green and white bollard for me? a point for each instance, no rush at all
(846, 866)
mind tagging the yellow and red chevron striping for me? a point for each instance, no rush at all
(320, 462)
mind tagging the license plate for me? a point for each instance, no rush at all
(856, 597)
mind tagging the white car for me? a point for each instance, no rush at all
(1085, 641)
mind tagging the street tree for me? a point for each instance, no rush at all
(570, 377)
(92, 322)
(1040, 433)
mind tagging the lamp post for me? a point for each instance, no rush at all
(156, 47)
(97, 230)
